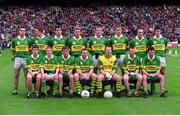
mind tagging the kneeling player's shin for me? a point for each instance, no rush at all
(78, 86)
(93, 84)
(43, 86)
(118, 86)
(99, 86)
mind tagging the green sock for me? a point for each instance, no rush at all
(77, 85)
(99, 86)
(15, 88)
(118, 86)
(93, 84)
(43, 86)
(55, 85)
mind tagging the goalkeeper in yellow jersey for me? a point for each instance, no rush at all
(108, 65)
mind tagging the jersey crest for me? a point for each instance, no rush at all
(36, 41)
(55, 42)
(18, 43)
(74, 42)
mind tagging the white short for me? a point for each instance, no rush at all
(162, 61)
(49, 76)
(19, 62)
(120, 60)
(95, 61)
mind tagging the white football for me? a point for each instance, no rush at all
(108, 94)
(108, 76)
(85, 94)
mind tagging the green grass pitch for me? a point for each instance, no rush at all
(116, 106)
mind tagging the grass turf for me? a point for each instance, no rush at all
(116, 106)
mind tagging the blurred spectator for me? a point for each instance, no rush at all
(167, 17)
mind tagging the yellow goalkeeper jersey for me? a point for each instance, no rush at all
(107, 64)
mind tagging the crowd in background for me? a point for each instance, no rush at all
(130, 17)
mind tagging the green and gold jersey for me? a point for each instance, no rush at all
(119, 44)
(159, 44)
(140, 45)
(66, 64)
(76, 45)
(21, 46)
(107, 64)
(131, 64)
(34, 64)
(84, 65)
(42, 42)
(151, 65)
(50, 64)
(98, 45)
(57, 44)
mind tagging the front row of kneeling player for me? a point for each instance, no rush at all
(41, 69)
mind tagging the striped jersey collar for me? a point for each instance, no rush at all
(66, 58)
(58, 37)
(33, 56)
(118, 36)
(157, 37)
(97, 37)
(41, 37)
(49, 58)
(130, 57)
(77, 38)
(138, 38)
(150, 58)
(19, 37)
(83, 59)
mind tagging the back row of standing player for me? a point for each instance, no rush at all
(96, 46)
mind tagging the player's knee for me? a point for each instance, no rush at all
(139, 77)
(126, 79)
(94, 77)
(71, 78)
(38, 76)
(60, 75)
(60, 79)
(100, 77)
(55, 78)
(44, 77)
(16, 75)
(162, 77)
(76, 76)
(29, 76)
(29, 79)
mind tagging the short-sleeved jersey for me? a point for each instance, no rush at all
(151, 65)
(50, 65)
(119, 44)
(131, 65)
(107, 64)
(76, 45)
(57, 44)
(66, 64)
(98, 45)
(140, 45)
(84, 64)
(42, 42)
(21, 46)
(159, 44)
(34, 64)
